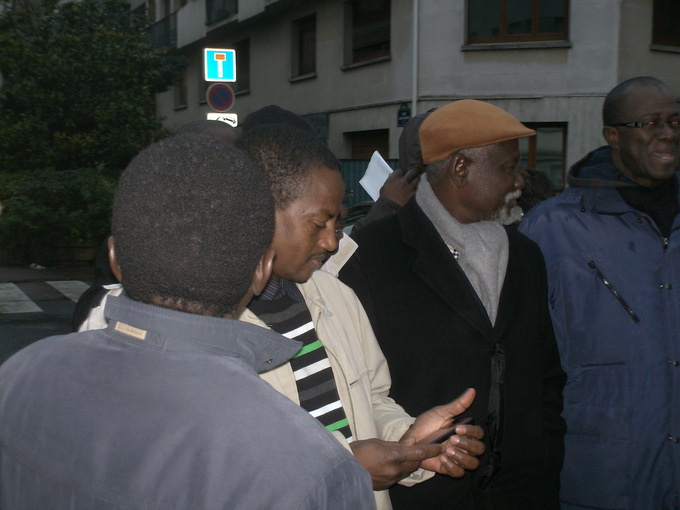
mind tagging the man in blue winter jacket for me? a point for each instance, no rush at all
(612, 254)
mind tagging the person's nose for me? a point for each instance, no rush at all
(667, 132)
(329, 240)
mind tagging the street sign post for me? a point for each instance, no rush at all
(220, 64)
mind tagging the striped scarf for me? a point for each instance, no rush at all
(316, 386)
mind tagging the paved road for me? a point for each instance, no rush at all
(37, 303)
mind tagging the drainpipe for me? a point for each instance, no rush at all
(414, 71)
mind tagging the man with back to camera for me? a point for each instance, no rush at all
(164, 408)
(456, 300)
(612, 252)
(340, 375)
(105, 280)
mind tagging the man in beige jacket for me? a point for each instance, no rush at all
(340, 376)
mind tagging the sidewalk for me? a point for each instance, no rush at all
(19, 274)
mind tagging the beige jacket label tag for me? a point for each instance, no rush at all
(126, 329)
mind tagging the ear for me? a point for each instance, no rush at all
(263, 271)
(611, 135)
(459, 170)
(113, 261)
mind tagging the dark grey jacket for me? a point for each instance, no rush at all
(164, 410)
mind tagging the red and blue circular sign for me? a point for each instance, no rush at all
(220, 97)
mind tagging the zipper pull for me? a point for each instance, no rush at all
(631, 313)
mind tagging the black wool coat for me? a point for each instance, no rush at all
(438, 341)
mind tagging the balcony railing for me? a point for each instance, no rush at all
(217, 10)
(163, 34)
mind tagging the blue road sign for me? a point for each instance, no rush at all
(220, 65)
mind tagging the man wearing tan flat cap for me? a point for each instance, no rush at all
(458, 300)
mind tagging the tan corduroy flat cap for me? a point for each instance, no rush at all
(465, 124)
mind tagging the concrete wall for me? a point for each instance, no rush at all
(191, 23)
(370, 92)
(552, 84)
(609, 40)
(637, 57)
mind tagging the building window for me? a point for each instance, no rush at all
(217, 10)
(163, 33)
(181, 90)
(494, 21)
(203, 89)
(242, 83)
(367, 32)
(546, 151)
(665, 29)
(304, 46)
(365, 143)
(362, 145)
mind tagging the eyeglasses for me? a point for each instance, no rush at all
(653, 126)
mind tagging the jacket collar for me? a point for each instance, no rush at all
(164, 329)
(435, 265)
(513, 287)
(596, 200)
(596, 170)
(311, 297)
(597, 173)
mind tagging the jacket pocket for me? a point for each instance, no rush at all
(631, 313)
(597, 449)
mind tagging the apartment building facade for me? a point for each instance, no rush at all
(355, 69)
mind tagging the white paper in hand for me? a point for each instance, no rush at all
(376, 174)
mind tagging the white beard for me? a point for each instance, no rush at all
(509, 215)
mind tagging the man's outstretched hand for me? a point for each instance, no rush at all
(389, 461)
(460, 453)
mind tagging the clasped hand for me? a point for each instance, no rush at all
(390, 461)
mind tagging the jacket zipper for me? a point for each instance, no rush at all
(664, 240)
(631, 313)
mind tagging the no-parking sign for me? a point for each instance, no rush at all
(220, 97)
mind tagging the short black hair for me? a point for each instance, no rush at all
(614, 104)
(274, 114)
(192, 216)
(216, 128)
(287, 155)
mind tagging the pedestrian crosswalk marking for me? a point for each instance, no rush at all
(72, 289)
(14, 300)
